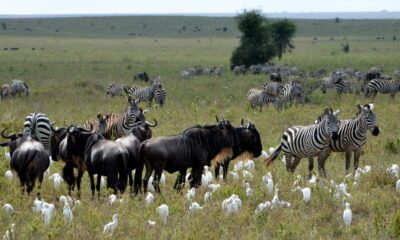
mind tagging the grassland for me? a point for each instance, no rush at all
(68, 81)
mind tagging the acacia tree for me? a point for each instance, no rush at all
(282, 33)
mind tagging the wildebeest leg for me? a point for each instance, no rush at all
(22, 180)
(156, 181)
(40, 183)
(98, 184)
(178, 178)
(180, 181)
(130, 181)
(91, 183)
(149, 171)
(216, 171)
(225, 167)
(196, 174)
(78, 182)
(348, 157)
(357, 154)
(310, 166)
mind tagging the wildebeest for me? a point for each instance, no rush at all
(131, 142)
(6, 91)
(141, 76)
(28, 158)
(102, 157)
(19, 87)
(194, 148)
(98, 125)
(248, 143)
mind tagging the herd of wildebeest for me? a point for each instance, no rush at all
(115, 144)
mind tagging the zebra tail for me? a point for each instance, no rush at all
(273, 156)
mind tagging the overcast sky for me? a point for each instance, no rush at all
(190, 6)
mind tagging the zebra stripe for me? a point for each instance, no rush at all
(119, 125)
(116, 89)
(19, 86)
(382, 86)
(98, 125)
(292, 91)
(38, 124)
(258, 97)
(273, 88)
(306, 141)
(145, 94)
(160, 95)
(352, 135)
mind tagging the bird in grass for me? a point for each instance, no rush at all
(269, 182)
(249, 191)
(194, 207)
(8, 175)
(110, 227)
(232, 204)
(47, 213)
(190, 194)
(207, 196)
(163, 212)
(306, 193)
(347, 215)
(149, 199)
(398, 186)
(67, 212)
(262, 207)
(37, 206)
(9, 209)
(151, 223)
(235, 176)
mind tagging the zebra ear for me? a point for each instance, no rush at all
(371, 106)
(336, 113)
(129, 98)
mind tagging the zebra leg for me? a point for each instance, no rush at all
(322, 157)
(310, 166)
(357, 154)
(294, 164)
(348, 157)
(288, 159)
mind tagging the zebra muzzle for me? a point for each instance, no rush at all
(335, 136)
(375, 131)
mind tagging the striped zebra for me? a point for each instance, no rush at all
(273, 88)
(293, 91)
(340, 86)
(98, 125)
(307, 141)
(382, 86)
(116, 89)
(19, 86)
(160, 95)
(38, 124)
(120, 124)
(259, 98)
(145, 94)
(352, 136)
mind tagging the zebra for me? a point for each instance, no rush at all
(145, 94)
(258, 97)
(120, 124)
(116, 89)
(273, 88)
(291, 91)
(352, 136)
(19, 86)
(6, 91)
(39, 126)
(160, 95)
(307, 141)
(382, 86)
(340, 86)
(98, 125)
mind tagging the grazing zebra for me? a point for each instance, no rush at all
(120, 124)
(116, 89)
(292, 91)
(160, 95)
(352, 136)
(98, 125)
(39, 126)
(273, 88)
(144, 94)
(6, 91)
(19, 87)
(340, 86)
(307, 141)
(258, 97)
(382, 86)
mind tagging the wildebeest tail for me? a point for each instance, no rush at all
(139, 170)
(274, 155)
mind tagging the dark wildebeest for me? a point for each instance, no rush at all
(28, 158)
(194, 148)
(248, 145)
(102, 157)
(141, 76)
(132, 141)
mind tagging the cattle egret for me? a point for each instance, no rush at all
(277, 202)
(9, 209)
(347, 215)
(249, 191)
(150, 186)
(163, 212)
(151, 223)
(76, 204)
(207, 196)
(149, 199)
(102, 182)
(264, 154)
(110, 227)
(47, 213)
(247, 175)
(206, 177)
(357, 174)
(298, 182)
(194, 207)
(68, 217)
(306, 193)
(366, 169)
(231, 204)
(37, 206)
(343, 190)
(214, 187)
(313, 180)
(13, 230)
(112, 199)
(235, 176)
(8, 175)
(394, 170)
(249, 165)
(238, 166)
(398, 186)
(262, 207)
(162, 179)
(190, 194)
(269, 182)
(7, 154)
(6, 235)
(271, 150)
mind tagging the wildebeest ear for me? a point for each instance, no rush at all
(359, 107)
(241, 122)
(107, 116)
(216, 118)
(99, 115)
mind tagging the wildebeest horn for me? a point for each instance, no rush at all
(216, 117)
(152, 125)
(51, 126)
(241, 122)
(145, 111)
(85, 130)
(4, 136)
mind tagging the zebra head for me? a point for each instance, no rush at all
(332, 122)
(102, 121)
(370, 117)
(134, 111)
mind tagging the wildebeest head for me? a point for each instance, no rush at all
(15, 140)
(57, 135)
(102, 121)
(134, 111)
(227, 131)
(143, 131)
(370, 117)
(76, 141)
(249, 140)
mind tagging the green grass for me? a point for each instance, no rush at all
(68, 81)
